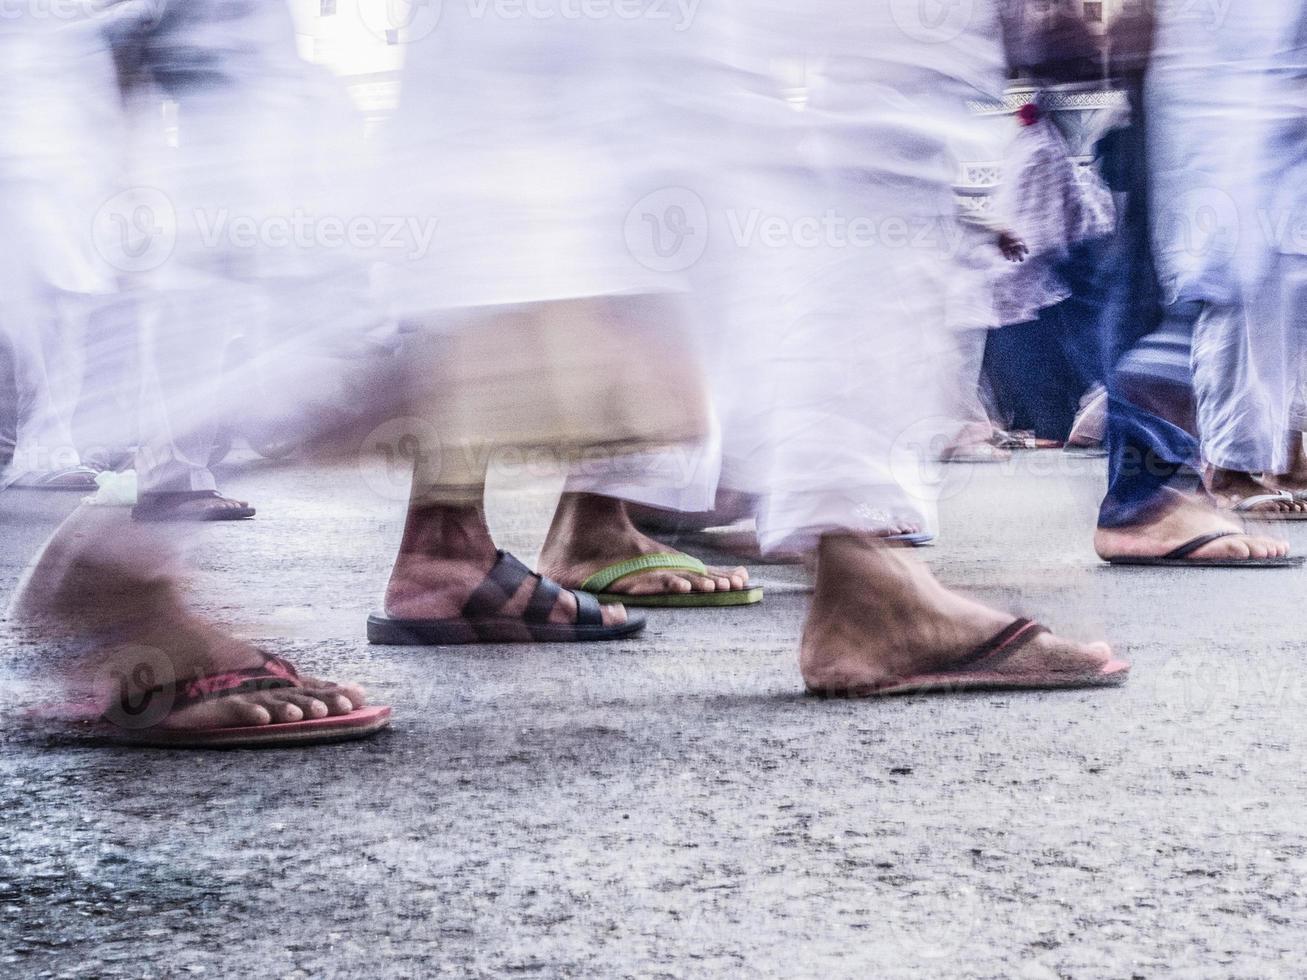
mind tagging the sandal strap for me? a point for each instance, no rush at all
(1250, 504)
(499, 586)
(1197, 544)
(1002, 645)
(603, 579)
(588, 610)
(274, 673)
(543, 600)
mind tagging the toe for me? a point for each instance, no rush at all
(615, 615)
(247, 712)
(655, 583)
(348, 696)
(310, 706)
(279, 706)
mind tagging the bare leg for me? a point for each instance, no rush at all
(1230, 487)
(590, 532)
(1185, 520)
(878, 615)
(106, 579)
(445, 554)
(1295, 480)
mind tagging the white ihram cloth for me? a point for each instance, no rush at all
(1228, 129)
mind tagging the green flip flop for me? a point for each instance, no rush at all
(598, 583)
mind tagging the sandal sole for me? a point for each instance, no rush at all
(383, 631)
(959, 683)
(686, 600)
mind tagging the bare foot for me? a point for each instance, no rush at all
(206, 505)
(445, 554)
(1186, 520)
(169, 653)
(590, 533)
(114, 585)
(1295, 480)
(879, 616)
(1230, 488)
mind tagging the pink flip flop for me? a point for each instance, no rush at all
(136, 723)
(978, 672)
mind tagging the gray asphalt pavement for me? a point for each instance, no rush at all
(674, 806)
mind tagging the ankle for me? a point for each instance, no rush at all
(586, 523)
(456, 533)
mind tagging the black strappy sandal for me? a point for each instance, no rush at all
(480, 621)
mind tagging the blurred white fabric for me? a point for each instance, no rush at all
(1229, 150)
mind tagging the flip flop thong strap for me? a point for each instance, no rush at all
(274, 673)
(607, 577)
(1197, 544)
(499, 586)
(1002, 645)
(1250, 504)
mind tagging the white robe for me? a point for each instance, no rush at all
(844, 349)
(1229, 153)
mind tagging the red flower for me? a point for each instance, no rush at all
(1028, 114)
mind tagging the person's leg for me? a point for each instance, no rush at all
(967, 408)
(38, 339)
(446, 553)
(8, 406)
(879, 617)
(858, 404)
(1151, 413)
(1244, 390)
(1150, 444)
(117, 587)
(1294, 478)
(185, 383)
(591, 532)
